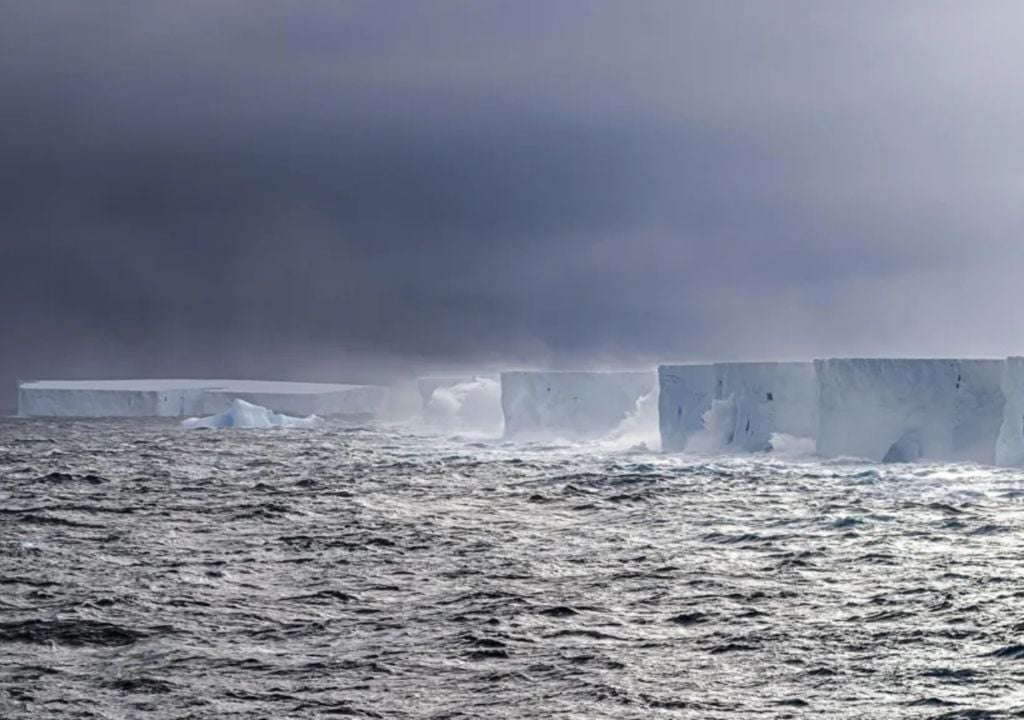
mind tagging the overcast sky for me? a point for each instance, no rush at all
(338, 190)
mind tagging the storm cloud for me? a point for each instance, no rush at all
(350, 190)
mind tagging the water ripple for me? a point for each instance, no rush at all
(378, 572)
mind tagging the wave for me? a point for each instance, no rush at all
(473, 407)
(639, 429)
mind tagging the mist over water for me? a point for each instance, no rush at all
(467, 406)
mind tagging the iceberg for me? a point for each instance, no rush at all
(110, 398)
(570, 405)
(771, 398)
(242, 414)
(894, 410)
(299, 398)
(739, 406)
(177, 398)
(1010, 443)
(685, 396)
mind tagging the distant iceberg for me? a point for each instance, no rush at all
(246, 415)
(182, 398)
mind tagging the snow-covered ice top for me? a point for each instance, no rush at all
(177, 397)
(570, 405)
(246, 415)
(273, 386)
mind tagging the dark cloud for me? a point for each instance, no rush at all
(351, 189)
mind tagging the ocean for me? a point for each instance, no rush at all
(390, 572)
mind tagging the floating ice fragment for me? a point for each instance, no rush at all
(246, 415)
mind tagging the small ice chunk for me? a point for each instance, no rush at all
(246, 415)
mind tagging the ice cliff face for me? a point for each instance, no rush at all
(570, 405)
(124, 398)
(907, 410)
(176, 398)
(685, 394)
(735, 406)
(1010, 443)
(886, 410)
(770, 398)
(298, 398)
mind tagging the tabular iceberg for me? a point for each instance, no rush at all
(735, 406)
(685, 394)
(113, 398)
(1010, 443)
(906, 410)
(246, 415)
(570, 405)
(297, 398)
(176, 398)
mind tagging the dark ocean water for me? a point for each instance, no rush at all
(344, 571)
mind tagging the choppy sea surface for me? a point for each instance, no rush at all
(389, 573)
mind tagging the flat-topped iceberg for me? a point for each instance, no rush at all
(176, 398)
(897, 410)
(1010, 443)
(242, 414)
(685, 397)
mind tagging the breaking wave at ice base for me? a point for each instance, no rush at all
(638, 430)
(472, 407)
(716, 438)
(719, 422)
